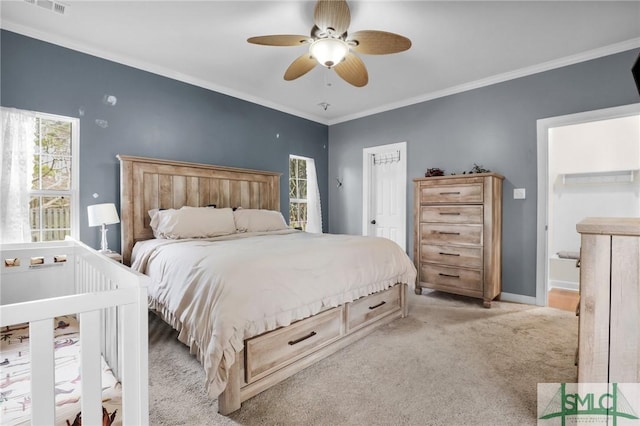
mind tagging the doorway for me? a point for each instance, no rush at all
(384, 192)
(580, 176)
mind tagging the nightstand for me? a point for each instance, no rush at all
(114, 255)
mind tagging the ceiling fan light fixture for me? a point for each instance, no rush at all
(333, 46)
(329, 51)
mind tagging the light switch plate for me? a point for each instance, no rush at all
(519, 194)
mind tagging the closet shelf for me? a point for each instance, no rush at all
(614, 176)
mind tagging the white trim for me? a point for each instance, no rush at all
(543, 127)
(367, 159)
(517, 298)
(366, 178)
(155, 69)
(564, 285)
(75, 177)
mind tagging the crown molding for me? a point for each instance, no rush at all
(499, 78)
(165, 72)
(152, 68)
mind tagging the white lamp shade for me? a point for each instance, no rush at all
(329, 51)
(102, 214)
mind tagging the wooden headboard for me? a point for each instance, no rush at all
(149, 183)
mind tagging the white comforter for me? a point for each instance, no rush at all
(218, 292)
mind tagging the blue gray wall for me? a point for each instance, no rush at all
(494, 126)
(154, 117)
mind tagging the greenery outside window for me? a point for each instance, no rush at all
(297, 192)
(54, 186)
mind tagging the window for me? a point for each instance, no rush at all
(52, 189)
(50, 145)
(304, 196)
(297, 192)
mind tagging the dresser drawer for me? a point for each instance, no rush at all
(467, 257)
(451, 214)
(467, 281)
(367, 309)
(462, 193)
(435, 233)
(274, 350)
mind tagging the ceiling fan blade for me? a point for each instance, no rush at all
(373, 42)
(332, 14)
(353, 71)
(280, 40)
(300, 67)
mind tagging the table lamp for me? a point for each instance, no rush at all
(103, 215)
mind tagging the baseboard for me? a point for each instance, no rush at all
(517, 298)
(564, 285)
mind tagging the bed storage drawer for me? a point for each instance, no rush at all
(367, 309)
(269, 352)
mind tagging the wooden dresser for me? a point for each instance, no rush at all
(608, 337)
(458, 234)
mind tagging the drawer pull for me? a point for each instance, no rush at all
(294, 342)
(449, 275)
(450, 213)
(450, 193)
(448, 233)
(378, 305)
(11, 262)
(449, 254)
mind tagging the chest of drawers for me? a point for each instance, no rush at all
(458, 234)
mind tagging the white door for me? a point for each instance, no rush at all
(384, 192)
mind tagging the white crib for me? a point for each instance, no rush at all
(42, 281)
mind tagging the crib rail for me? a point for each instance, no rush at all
(111, 305)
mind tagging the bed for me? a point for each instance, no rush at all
(257, 303)
(73, 333)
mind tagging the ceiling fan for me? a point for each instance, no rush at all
(333, 47)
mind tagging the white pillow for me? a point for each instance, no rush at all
(192, 222)
(257, 220)
(153, 212)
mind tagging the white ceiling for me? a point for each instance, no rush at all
(456, 45)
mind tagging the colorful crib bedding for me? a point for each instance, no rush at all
(15, 377)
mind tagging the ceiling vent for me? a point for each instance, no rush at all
(50, 5)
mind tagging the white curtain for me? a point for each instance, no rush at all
(16, 157)
(314, 211)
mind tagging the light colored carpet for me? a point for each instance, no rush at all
(450, 362)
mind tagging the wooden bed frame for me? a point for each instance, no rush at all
(148, 183)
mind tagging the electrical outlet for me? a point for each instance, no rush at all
(519, 194)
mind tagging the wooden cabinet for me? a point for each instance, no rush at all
(608, 337)
(458, 234)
